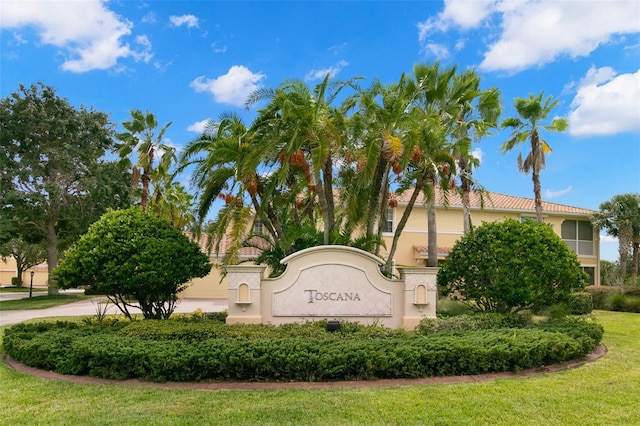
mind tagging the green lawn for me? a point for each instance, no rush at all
(41, 302)
(604, 392)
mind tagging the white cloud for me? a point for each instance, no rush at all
(90, 35)
(604, 238)
(459, 13)
(537, 32)
(199, 126)
(534, 32)
(233, 88)
(440, 51)
(548, 193)
(606, 103)
(190, 21)
(218, 49)
(478, 154)
(149, 18)
(321, 73)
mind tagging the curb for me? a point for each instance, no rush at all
(215, 386)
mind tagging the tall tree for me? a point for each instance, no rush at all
(478, 114)
(140, 137)
(620, 217)
(531, 112)
(49, 157)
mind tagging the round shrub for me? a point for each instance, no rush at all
(511, 266)
(130, 255)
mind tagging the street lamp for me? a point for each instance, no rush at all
(31, 285)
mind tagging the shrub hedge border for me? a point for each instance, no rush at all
(364, 353)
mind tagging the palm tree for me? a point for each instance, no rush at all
(620, 217)
(140, 137)
(478, 114)
(302, 129)
(531, 112)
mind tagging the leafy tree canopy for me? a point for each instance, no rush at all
(53, 181)
(510, 266)
(131, 255)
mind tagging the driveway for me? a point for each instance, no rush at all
(90, 306)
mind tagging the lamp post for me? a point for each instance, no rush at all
(31, 285)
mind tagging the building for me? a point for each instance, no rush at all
(572, 224)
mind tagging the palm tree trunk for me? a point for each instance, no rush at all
(535, 173)
(402, 223)
(432, 231)
(634, 270)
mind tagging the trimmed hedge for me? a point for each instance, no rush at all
(179, 351)
(615, 298)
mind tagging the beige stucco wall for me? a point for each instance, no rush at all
(8, 270)
(449, 223)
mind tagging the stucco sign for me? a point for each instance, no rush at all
(332, 290)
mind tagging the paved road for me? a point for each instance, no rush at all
(90, 306)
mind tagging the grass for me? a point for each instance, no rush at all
(41, 302)
(598, 393)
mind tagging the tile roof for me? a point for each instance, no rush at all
(495, 201)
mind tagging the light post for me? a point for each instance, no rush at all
(31, 285)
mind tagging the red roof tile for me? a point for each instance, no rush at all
(495, 201)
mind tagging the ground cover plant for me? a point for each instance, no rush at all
(178, 350)
(572, 397)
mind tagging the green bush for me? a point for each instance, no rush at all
(511, 266)
(182, 351)
(477, 321)
(580, 303)
(131, 255)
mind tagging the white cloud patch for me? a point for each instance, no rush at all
(89, 35)
(537, 32)
(534, 32)
(233, 88)
(199, 126)
(549, 193)
(464, 14)
(321, 73)
(478, 154)
(606, 104)
(190, 21)
(217, 48)
(604, 238)
(149, 18)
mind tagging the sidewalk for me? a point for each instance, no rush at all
(89, 307)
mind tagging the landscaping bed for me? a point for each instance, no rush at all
(206, 350)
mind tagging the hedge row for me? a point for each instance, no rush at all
(616, 298)
(110, 352)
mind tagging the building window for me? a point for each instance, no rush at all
(591, 271)
(387, 225)
(578, 234)
(257, 227)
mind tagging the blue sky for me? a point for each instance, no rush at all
(189, 61)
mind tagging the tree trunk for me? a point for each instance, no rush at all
(625, 240)
(432, 231)
(401, 224)
(144, 199)
(535, 173)
(465, 186)
(634, 269)
(52, 254)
